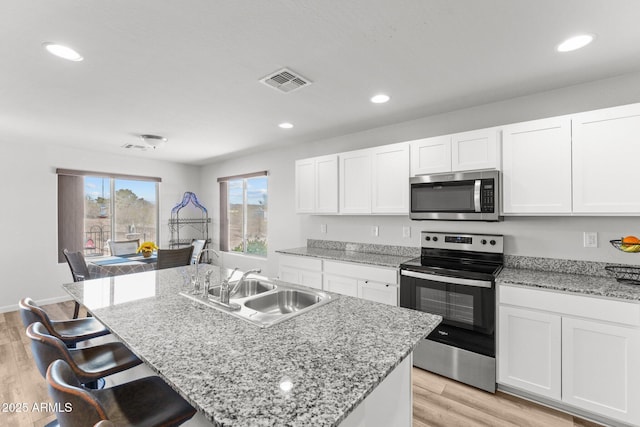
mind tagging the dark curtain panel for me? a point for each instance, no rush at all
(70, 214)
(224, 220)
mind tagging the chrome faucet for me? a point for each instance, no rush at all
(207, 283)
(196, 280)
(224, 287)
(242, 279)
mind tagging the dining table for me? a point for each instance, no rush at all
(112, 265)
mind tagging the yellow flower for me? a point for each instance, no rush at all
(146, 247)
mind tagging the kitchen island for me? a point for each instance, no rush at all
(318, 368)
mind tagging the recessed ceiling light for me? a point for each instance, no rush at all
(62, 51)
(380, 98)
(285, 125)
(575, 42)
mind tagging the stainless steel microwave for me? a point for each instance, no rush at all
(468, 196)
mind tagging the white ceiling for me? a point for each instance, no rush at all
(189, 69)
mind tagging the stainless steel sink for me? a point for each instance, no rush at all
(283, 301)
(248, 288)
(264, 303)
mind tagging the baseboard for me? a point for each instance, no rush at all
(55, 300)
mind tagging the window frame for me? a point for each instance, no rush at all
(224, 211)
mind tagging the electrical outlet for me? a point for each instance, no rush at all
(323, 228)
(374, 231)
(590, 239)
(406, 231)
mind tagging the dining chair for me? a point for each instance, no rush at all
(79, 271)
(123, 247)
(89, 364)
(198, 246)
(147, 402)
(168, 258)
(69, 331)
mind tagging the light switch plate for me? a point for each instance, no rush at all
(406, 231)
(374, 231)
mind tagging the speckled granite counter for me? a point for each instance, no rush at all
(335, 355)
(380, 255)
(562, 275)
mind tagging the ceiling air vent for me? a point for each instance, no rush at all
(285, 80)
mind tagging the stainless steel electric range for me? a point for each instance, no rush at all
(455, 278)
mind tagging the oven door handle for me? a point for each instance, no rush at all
(448, 279)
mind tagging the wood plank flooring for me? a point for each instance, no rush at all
(437, 401)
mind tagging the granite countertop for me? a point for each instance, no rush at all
(377, 259)
(569, 282)
(231, 370)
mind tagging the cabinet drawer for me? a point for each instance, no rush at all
(607, 310)
(306, 263)
(364, 272)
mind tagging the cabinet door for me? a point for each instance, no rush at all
(529, 351)
(606, 160)
(390, 179)
(289, 274)
(340, 285)
(536, 167)
(431, 155)
(475, 150)
(378, 292)
(326, 184)
(355, 182)
(600, 369)
(313, 279)
(305, 185)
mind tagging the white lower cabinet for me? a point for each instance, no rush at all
(300, 270)
(363, 281)
(340, 285)
(601, 368)
(530, 351)
(578, 350)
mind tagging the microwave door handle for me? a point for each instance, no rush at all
(476, 195)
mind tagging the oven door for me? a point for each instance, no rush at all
(463, 303)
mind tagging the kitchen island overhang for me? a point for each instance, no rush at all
(314, 369)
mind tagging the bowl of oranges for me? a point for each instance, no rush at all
(627, 244)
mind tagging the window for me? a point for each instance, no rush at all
(243, 213)
(89, 216)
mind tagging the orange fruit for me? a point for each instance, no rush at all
(630, 240)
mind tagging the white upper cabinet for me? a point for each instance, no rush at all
(316, 185)
(536, 167)
(606, 157)
(390, 179)
(305, 186)
(375, 180)
(355, 182)
(478, 149)
(431, 155)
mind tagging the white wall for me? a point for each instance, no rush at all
(28, 216)
(554, 237)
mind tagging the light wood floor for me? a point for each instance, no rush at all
(437, 401)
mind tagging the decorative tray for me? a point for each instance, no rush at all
(625, 274)
(625, 247)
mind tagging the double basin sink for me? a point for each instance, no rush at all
(264, 303)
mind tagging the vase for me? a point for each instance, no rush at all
(146, 254)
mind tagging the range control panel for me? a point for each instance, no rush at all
(463, 241)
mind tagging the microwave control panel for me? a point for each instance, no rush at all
(486, 195)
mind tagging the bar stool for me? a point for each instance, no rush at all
(146, 402)
(89, 364)
(69, 331)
